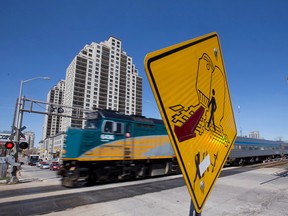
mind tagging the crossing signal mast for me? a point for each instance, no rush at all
(50, 109)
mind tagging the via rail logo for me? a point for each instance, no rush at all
(190, 86)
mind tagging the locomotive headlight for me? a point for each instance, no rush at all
(72, 168)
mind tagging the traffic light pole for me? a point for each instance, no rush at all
(20, 107)
(14, 119)
(18, 130)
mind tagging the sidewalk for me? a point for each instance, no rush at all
(24, 176)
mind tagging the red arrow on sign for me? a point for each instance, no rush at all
(187, 130)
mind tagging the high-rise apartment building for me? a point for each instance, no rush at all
(53, 123)
(30, 138)
(102, 76)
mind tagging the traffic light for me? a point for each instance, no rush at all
(23, 145)
(9, 145)
(53, 109)
(60, 110)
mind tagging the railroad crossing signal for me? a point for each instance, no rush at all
(9, 145)
(23, 145)
(21, 134)
(190, 86)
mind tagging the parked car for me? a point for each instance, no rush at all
(44, 166)
(38, 164)
(55, 166)
(32, 163)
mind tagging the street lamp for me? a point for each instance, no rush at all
(19, 112)
(20, 93)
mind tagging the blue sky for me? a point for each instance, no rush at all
(40, 38)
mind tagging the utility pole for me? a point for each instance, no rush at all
(239, 120)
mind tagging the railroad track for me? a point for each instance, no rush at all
(271, 163)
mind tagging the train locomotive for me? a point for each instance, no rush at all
(113, 147)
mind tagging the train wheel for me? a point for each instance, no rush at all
(92, 178)
(142, 172)
(241, 162)
(67, 182)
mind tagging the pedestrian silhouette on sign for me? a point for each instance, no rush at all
(213, 105)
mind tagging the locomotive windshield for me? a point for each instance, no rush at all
(113, 127)
(93, 124)
(93, 120)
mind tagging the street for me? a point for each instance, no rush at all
(238, 191)
(35, 173)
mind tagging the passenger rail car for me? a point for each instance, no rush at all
(249, 150)
(114, 146)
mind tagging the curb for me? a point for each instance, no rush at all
(3, 181)
(20, 181)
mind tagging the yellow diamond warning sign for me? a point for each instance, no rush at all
(190, 86)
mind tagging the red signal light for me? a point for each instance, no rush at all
(9, 145)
